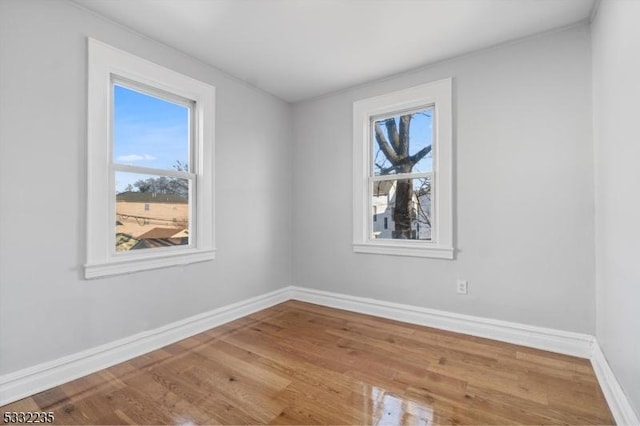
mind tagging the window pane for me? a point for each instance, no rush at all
(402, 209)
(402, 143)
(149, 131)
(151, 211)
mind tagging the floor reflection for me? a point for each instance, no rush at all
(389, 409)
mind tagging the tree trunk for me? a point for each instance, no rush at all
(402, 211)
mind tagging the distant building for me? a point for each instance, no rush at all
(146, 219)
(384, 200)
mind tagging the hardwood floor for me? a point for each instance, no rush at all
(298, 363)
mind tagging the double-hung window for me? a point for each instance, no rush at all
(403, 172)
(150, 165)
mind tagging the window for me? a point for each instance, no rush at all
(403, 171)
(150, 165)
(152, 146)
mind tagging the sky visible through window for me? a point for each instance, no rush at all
(147, 132)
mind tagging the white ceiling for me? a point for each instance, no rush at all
(299, 49)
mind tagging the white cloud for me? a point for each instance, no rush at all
(135, 157)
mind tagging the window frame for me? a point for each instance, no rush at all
(438, 95)
(107, 66)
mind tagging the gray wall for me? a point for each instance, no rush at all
(46, 309)
(616, 91)
(523, 190)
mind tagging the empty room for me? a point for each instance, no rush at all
(344, 212)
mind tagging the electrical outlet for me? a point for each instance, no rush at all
(462, 286)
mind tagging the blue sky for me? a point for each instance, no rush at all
(147, 132)
(420, 136)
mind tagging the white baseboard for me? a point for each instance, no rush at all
(26, 382)
(29, 381)
(548, 339)
(617, 400)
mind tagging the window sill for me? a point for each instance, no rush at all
(126, 266)
(404, 249)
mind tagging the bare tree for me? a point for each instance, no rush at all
(165, 185)
(394, 144)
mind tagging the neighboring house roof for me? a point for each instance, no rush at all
(150, 197)
(182, 234)
(159, 232)
(154, 243)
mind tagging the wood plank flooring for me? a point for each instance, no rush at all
(298, 363)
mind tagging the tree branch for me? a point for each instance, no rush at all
(392, 131)
(403, 145)
(413, 160)
(384, 145)
(384, 170)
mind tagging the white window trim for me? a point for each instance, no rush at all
(104, 64)
(438, 95)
